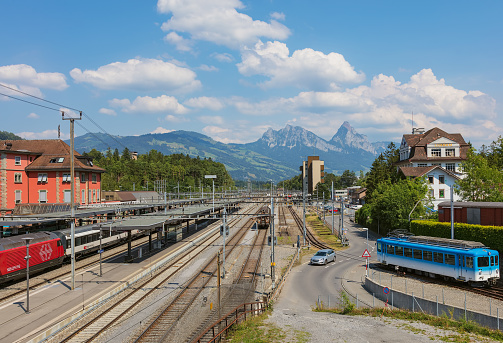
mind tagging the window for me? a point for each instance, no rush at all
(418, 254)
(469, 262)
(18, 196)
(483, 261)
(441, 193)
(82, 177)
(94, 195)
(432, 193)
(441, 179)
(450, 259)
(430, 179)
(17, 160)
(67, 196)
(450, 152)
(399, 250)
(422, 165)
(67, 178)
(438, 257)
(95, 178)
(42, 196)
(42, 177)
(378, 247)
(450, 166)
(408, 252)
(427, 255)
(90, 197)
(391, 249)
(83, 198)
(97, 195)
(57, 160)
(436, 152)
(18, 178)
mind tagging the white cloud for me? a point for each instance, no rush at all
(218, 21)
(146, 104)
(224, 57)
(205, 102)
(306, 68)
(278, 16)
(47, 134)
(178, 41)
(140, 75)
(24, 78)
(205, 67)
(160, 129)
(213, 130)
(108, 111)
(33, 116)
(384, 108)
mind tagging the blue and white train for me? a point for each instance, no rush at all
(464, 261)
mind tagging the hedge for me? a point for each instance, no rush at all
(491, 236)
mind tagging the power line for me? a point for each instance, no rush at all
(60, 105)
(29, 102)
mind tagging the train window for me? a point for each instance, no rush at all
(450, 259)
(96, 236)
(427, 255)
(68, 244)
(391, 249)
(105, 233)
(418, 254)
(78, 241)
(408, 252)
(438, 257)
(496, 258)
(379, 247)
(469, 262)
(483, 261)
(461, 260)
(399, 250)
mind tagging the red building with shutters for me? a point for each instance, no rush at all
(38, 172)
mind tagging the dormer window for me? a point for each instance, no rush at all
(57, 160)
(450, 152)
(436, 152)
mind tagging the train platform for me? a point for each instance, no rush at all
(55, 302)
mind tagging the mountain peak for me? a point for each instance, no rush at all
(347, 137)
(294, 136)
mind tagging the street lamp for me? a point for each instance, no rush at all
(212, 177)
(27, 258)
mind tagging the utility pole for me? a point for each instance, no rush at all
(72, 183)
(271, 223)
(333, 203)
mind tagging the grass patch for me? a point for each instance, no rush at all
(256, 330)
(462, 327)
(323, 232)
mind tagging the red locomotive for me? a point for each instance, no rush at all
(46, 250)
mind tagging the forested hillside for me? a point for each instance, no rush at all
(4, 135)
(177, 169)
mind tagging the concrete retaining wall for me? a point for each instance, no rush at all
(410, 302)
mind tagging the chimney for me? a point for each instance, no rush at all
(8, 145)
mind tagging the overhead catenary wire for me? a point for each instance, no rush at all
(63, 106)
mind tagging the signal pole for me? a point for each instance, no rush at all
(72, 183)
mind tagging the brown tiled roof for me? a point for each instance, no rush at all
(418, 143)
(49, 149)
(420, 171)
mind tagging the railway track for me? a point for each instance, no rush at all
(241, 292)
(161, 327)
(119, 308)
(310, 237)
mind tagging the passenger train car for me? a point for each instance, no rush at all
(464, 261)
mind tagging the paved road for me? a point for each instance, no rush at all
(293, 309)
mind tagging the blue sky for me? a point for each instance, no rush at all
(231, 69)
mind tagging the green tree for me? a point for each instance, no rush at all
(482, 182)
(393, 202)
(322, 190)
(383, 169)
